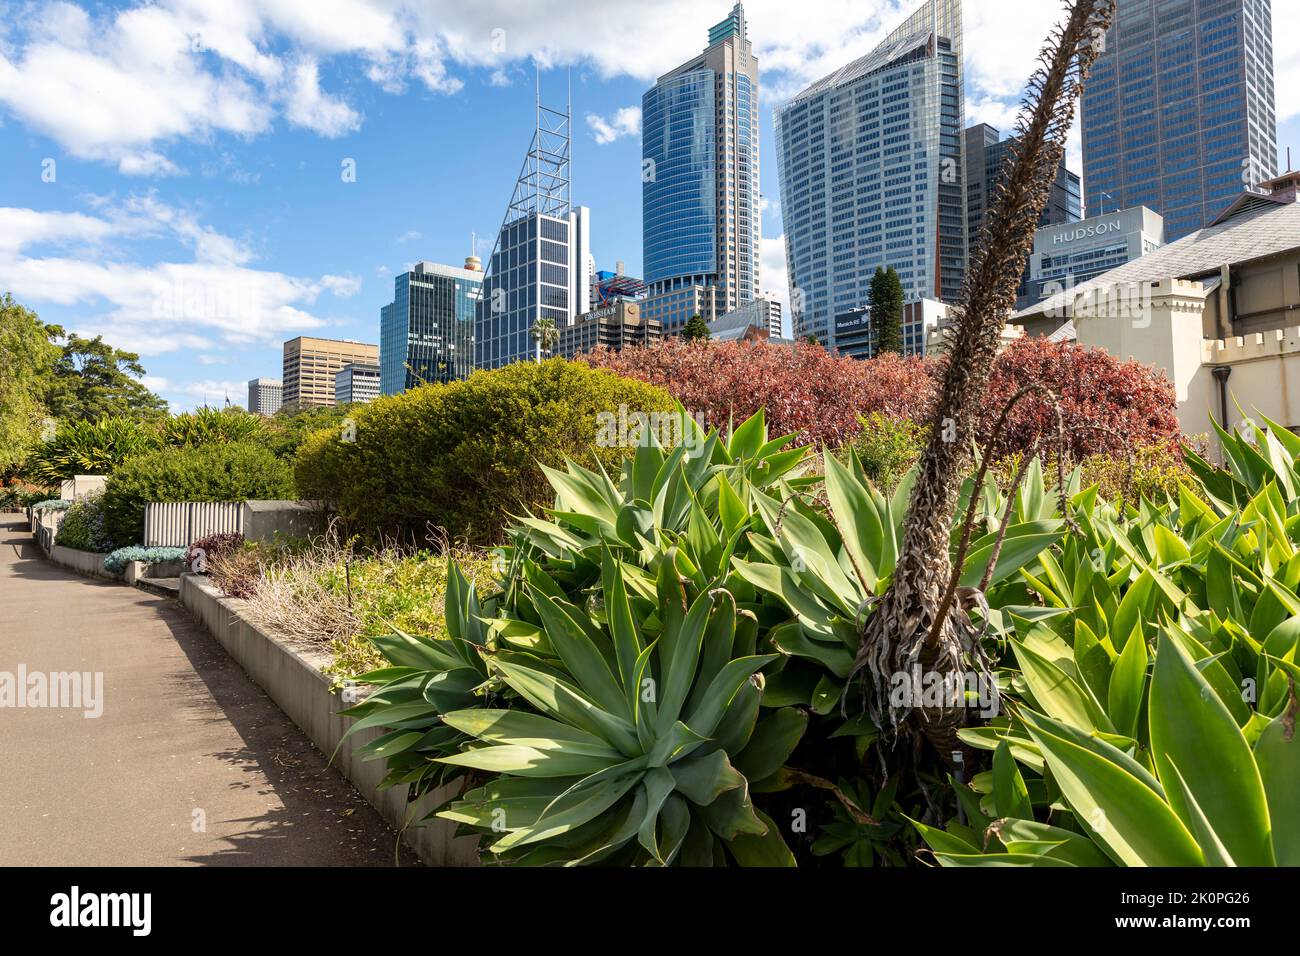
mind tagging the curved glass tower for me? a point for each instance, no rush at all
(699, 194)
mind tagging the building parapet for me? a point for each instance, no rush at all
(1255, 345)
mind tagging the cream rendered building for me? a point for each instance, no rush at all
(1218, 311)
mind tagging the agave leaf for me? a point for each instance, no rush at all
(1192, 729)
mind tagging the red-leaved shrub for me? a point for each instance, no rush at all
(1125, 398)
(820, 396)
(804, 389)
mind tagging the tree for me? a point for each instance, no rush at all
(696, 329)
(915, 623)
(92, 379)
(546, 335)
(886, 303)
(27, 357)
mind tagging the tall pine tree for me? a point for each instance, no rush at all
(886, 303)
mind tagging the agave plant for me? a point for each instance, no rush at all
(425, 679)
(633, 734)
(207, 425)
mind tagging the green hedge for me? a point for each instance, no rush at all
(463, 456)
(231, 472)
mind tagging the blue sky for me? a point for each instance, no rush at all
(171, 174)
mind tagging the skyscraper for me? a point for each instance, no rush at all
(1178, 114)
(541, 266)
(870, 164)
(986, 154)
(699, 192)
(426, 334)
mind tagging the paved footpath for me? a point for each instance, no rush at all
(189, 763)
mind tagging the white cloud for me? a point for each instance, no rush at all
(308, 107)
(342, 286)
(410, 235)
(624, 122)
(124, 85)
(216, 298)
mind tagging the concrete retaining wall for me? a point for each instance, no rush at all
(83, 562)
(135, 570)
(291, 677)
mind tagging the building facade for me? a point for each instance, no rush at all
(356, 383)
(1178, 114)
(310, 364)
(1068, 255)
(701, 225)
(265, 396)
(986, 155)
(871, 172)
(760, 319)
(426, 334)
(674, 308)
(609, 287)
(614, 326)
(854, 338)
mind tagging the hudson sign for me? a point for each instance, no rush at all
(1085, 232)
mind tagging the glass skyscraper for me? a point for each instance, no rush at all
(426, 334)
(870, 164)
(699, 194)
(1178, 114)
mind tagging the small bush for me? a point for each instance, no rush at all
(83, 447)
(237, 573)
(460, 458)
(83, 526)
(224, 472)
(888, 447)
(213, 546)
(117, 561)
(52, 504)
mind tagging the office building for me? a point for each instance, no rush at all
(1178, 114)
(614, 326)
(541, 266)
(986, 157)
(870, 165)
(426, 334)
(854, 337)
(355, 382)
(674, 308)
(310, 364)
(265, 396)
(1069, 255)
(700, 202)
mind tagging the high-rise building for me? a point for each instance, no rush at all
(426, 334)
(701, 226)
(541, 266)
(760, 318)
(854, 336)
(1178, 114)
(310, 364)
(870, 164)
(356, 382)
(265, 396)
(986, 156)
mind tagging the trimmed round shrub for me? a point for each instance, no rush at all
(458, 459)
(83, 526)
(226, 472)
(116, 561)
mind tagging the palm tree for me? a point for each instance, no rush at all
(546, 335)
(917, 622)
